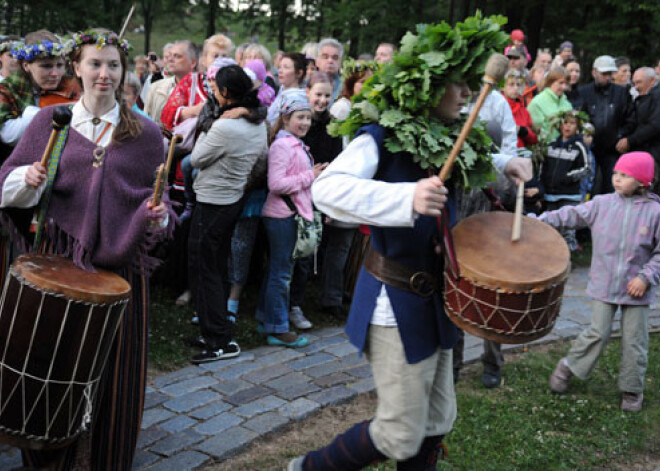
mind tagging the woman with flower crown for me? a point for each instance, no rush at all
(100, 211)
(40, 82)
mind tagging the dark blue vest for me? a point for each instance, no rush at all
(422, 322)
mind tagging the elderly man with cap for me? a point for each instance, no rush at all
(608, 107)
(643, 134)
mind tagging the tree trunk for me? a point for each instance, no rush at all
(466, 10)
(213, 12)
(281, 25)
(147, 15)
(535, 17)
(319, 21)
(450, 16)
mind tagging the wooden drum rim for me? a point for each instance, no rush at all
(60, 276)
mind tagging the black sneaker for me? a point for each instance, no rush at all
(199, 342)
(336, 312)
(232, 350)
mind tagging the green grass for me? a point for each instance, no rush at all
(523, 426)
(171, 331)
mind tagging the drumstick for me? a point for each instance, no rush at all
(495, 69)
(164, 171)
(517, 217)
(61, 117)
(128, 18)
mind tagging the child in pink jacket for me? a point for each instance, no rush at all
(291, 171)
(625, 269)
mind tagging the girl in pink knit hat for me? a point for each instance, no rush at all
(625, 270)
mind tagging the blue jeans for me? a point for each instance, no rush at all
(273, 308)
(189, 175)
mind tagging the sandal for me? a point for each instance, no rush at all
(287, 339)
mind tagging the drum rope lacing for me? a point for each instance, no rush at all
(89, 385)
(454, 287)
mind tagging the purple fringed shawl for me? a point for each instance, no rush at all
(97, 216)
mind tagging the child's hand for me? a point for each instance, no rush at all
(318, 168)
(531, 192)
(637, 287)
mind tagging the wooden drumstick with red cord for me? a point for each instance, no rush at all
(164, 171)
(61, 117)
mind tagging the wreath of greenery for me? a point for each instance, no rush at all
(400, 95)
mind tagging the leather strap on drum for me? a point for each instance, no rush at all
(53, 163)
(399, 276)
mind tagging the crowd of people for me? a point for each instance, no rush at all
(255, 151)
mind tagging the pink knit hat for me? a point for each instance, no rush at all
(517, 35)
(639, 165)
(258, 68)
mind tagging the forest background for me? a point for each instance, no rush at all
(614, 27)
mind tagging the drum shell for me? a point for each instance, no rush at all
(498, 315)
(508, 292)
(53, 350)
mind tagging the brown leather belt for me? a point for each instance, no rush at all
(399, 276)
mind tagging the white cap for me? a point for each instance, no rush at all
(605, 64)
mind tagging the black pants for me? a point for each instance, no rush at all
(492, 358)
(605, 166)
(208, 252)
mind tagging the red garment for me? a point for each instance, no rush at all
(529, 94)
(522, 118)
(180, 98)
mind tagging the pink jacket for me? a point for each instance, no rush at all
(626, 243)
(289, 173)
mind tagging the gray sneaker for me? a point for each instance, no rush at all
(632, 402)
(298, 319)
(559, 378)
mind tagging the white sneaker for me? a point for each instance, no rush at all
(184, 298)
(298, 319)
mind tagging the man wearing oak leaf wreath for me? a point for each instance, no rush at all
(402, 330)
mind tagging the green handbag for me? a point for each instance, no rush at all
(309, 232)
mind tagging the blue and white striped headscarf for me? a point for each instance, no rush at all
(294, 99)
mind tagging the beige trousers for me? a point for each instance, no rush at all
(589, 345)
(414, 401)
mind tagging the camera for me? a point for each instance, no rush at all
(153, 57)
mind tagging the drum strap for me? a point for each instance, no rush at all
(53, 163)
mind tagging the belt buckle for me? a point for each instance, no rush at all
(422, 284)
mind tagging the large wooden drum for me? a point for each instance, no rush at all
(509, 292)
(57, 326)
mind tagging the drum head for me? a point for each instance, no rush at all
(59, 275)
(487, 256)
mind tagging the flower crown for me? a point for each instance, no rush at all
(46, 48)
(351, 66)
(100, 40)
(6, 45)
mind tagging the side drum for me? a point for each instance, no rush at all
(508, 292)
(57, 326)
